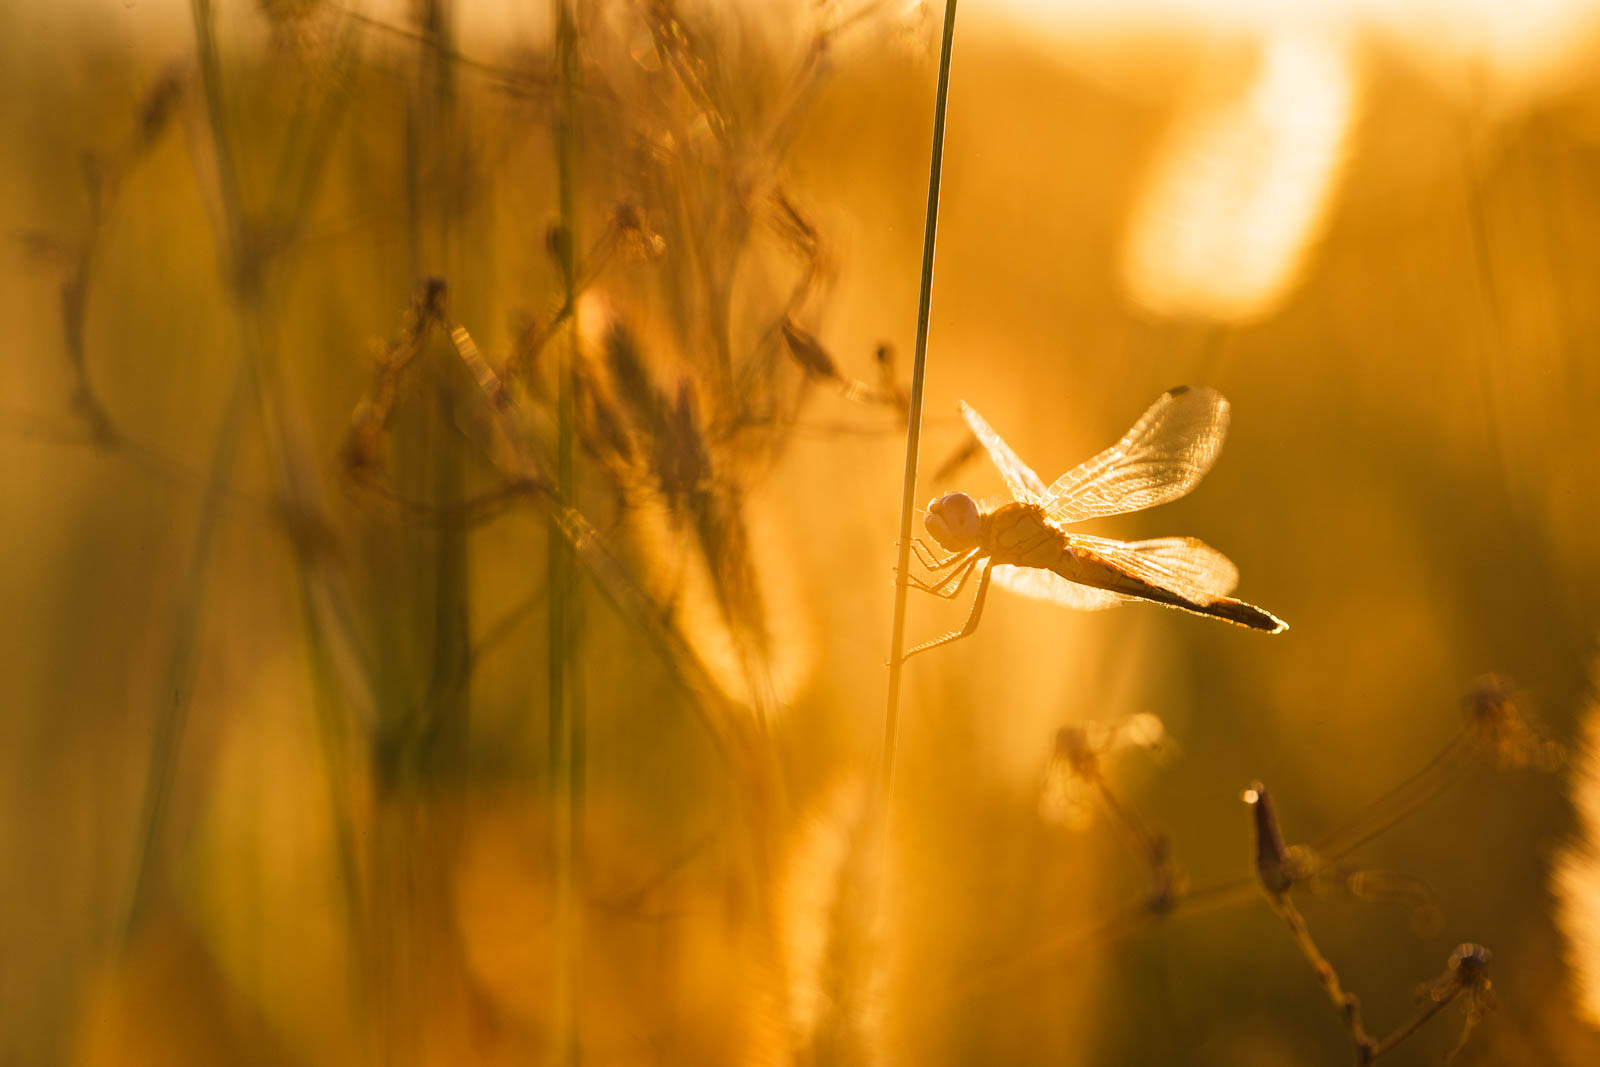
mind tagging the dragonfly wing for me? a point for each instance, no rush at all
(1161, 458)
(1025, 485)
(1184, 565)
(1041, 584)
(1065, 801)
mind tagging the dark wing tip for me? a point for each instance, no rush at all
(1263, 621)
(1177, 390)
(1242, 614)
(1270, 623)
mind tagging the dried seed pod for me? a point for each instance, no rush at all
(809, 353)
(1500, 722)
(156, 111)
(1275, 868)
(558, 243)
(599, 423)
(638, 240)
(895, 394)
(683, 460)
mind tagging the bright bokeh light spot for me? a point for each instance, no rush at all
(1143, 730)
(1576, 877)
(1519, 44)
(816, 871)
(1239, 190)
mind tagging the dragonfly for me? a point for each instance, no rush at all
(1023, 544)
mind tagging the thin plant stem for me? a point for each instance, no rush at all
(891, 718)
(1345, 1003)
(1378, 816)
(1143, 841)
(435, 733)
(176, 690)
(524, 466)
(333, 649)
(1413, 1024)
(566, 736)
(878, 822)
(177, 686)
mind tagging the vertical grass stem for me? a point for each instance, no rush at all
(891, 718)
(566, 727)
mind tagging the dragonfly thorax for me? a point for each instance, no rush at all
(955, 522)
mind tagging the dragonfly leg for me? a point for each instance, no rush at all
(972, 619)
(931, 559)
(953, 565)
(951, 585)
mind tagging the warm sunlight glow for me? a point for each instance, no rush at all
(1519, 45)
(1067, 797)
(1238, 192)
(1143, 730)
(719, 558)
(817, 894)
(502, 572)
(1577, 877)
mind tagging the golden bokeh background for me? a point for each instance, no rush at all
(279, 784)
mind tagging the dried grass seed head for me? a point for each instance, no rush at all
(809, 353)
(1274, 866)
(1501, 722)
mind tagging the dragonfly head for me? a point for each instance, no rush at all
(954, 521)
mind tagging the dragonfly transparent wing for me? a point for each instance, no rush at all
(1025, 485)
(1064, 799)
(1161, 458)
(1184, 565)
(1041, 584)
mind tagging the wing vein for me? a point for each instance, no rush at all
(1161, 458)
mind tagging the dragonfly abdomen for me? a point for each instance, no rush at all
(1085, 568)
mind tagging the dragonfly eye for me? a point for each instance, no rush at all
(953, 521)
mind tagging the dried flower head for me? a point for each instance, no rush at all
(639, 241)
(1278, 865)
(1465, 976)
(1074, 775)
(809, 353)
(1500, 722)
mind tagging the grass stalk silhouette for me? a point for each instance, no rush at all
(178, 679)
(566, 715)
(247, 242)
(919, 371)
(173, 699)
